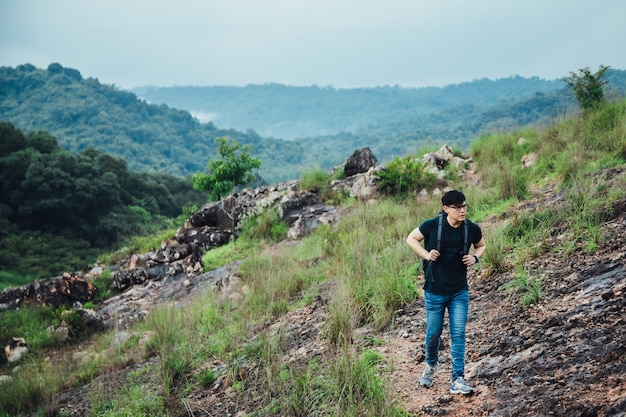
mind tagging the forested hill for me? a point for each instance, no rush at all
(295, 112)
(303, 128)
(83, 113)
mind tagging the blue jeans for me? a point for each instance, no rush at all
(458, 306)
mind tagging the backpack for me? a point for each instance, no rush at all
(438, 245)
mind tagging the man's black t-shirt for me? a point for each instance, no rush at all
(447, 275)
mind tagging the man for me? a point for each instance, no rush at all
(445, 282)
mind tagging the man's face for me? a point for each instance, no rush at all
(457, 212)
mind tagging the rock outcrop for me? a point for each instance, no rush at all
(66, 289)
(361, 161)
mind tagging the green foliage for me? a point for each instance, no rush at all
(323, 125)
(104, 284)
(499, 156)
(233, 170)
(316, 181)
(526, 284)
(588, 87)
(33, 388)
(301, 389)
(224, 255)
(405, 175)
(496, 256)
(390, 113)
(530, 230)
(319, 182)
(207, 377)
(59, 210)
(342, 319)
(358, 390)
(351, 387)
(10, 279)
(173, 343)
(265, 226)
(133, 397)
(31, 324)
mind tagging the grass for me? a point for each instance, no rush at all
(12, 279)
(362, 267)
(139, 244)
(525, 284)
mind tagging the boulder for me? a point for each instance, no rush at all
(529, 160)
(54, 292)
(205, 237)
(123, 279)
(440, 158)
(15, 349)
(292, 205)
(366, 185)
(206, 216)
(360, 161)
(75, 288)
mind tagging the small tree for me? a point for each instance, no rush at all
(232, 170)
(587, 87)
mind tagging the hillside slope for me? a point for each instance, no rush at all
(563, 356)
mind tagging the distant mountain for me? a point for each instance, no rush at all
(296, 112)
(290, 129)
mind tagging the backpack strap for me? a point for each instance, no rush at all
(439, 231)
(465, 237)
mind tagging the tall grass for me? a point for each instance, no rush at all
(525, 284)
(347, 385)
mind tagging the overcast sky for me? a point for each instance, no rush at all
(341, 43)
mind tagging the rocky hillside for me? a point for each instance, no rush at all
(562, 356)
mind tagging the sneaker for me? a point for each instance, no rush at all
(427, 376)
(460, 387)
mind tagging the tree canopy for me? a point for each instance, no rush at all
(587, 87)
(232, 170)
(89, 197)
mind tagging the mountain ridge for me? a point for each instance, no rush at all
(335, 110)
(83, 113)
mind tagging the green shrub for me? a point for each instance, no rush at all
(405, 175)
(316, 181)
(265, 226)
(31, 323)
(587, 87)
(104, 284)
(207, 377)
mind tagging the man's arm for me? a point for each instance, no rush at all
(479, 249)
(414, 240)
